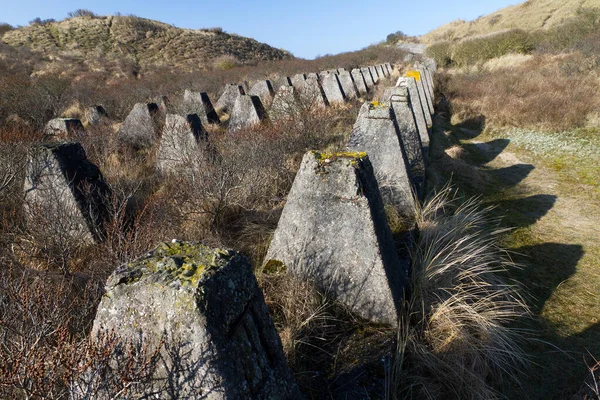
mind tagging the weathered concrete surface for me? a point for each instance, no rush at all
(389, 67)
(332, 89)
(286, 105)
(95, 114)
(368, 77)
(230, 94)
(64, 188)
(312, 75)
(428, 80)
(417, 108)
(311, 94)
(248, 111)
(333, 231)
(139, 130)
(359, 81)
(219, 340)
(199, 103)
(428, 84)
(409, 134)
(264, 91)
(298, 79)
(181, 144)
(281, 81)
(422, 96)
(380, 71)
(376, 132)
(63, 127)
(322, 75)
(374, 74)
(347, 85)
(428, 92)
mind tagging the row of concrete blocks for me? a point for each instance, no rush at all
(293, 96)
(333, 229)
(205, 303)
(183, 139)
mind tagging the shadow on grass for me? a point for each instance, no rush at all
(483, 153)
(507, 177)
(557, 369)
(525, 211)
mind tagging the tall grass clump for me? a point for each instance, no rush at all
(455, 339)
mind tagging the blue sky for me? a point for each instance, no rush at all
(307, 28)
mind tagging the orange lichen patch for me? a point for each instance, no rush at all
(413, 74)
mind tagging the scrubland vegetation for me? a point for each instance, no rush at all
(466, 332)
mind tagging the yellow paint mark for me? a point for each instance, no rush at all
(413, 74)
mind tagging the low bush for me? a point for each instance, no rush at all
(477, 50)
(441, 52)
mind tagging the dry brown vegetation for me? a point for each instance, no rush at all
(523, 133)
(549, 92)
(528, 15)
(139, 41)
(50, 284)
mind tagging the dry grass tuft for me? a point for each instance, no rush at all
(455, 339)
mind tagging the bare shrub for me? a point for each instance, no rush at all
(226, 62)
(536, 94)
(81, 13)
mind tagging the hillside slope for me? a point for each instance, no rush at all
(138, 40)
(530, 15)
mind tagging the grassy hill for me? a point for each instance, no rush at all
(141, 41)
(530, 15)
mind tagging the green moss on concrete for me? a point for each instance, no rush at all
(185, 262)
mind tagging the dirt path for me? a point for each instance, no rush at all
(556, 236)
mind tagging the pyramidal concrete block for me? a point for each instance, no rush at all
(347, 85)
(264, 91)
(204, 304)
(298, 79)
(359, 81)
(425, 84)
(281, 81)
(181, 144)
(374, 74)
(67, 190)
(230, 94)
(422, 97)
(287, 105)
(368, 77)
(311, 94)
(248, 111)
(409, 134)
(96, 114)
(376, 132)
(333, 231)
(63, 127)
(417, 108)
(332, 89)
(139, 130)
(199, 103)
